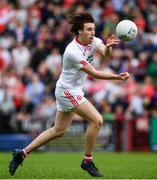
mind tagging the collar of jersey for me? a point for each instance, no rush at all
(77, 40)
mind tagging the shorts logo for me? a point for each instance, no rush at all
(79, 97)
(89, 48)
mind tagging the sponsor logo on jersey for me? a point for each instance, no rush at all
(90, 58)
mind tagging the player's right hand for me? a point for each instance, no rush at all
(124, 76)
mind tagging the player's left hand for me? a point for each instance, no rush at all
(112, 40)
(124, 76)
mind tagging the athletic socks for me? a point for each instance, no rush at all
(87, 158)
(25, 153)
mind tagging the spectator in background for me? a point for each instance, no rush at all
(44, 73)
(118, 93)
(120, 126)
(35, 90)
(148, 91)
(45, 110)
(7, 13)
(27, 75)
(5, 58)
(96, 11)
(108, 114)
(136, 104)
(148, 88)
(24, 115)
(140, 69)
(7, 41)
(118, 5)
(154, 100)
(39, 55)
(17, 89)
(31, 33)
(6, 109)
(109, 24)
(152, 68)
(54, 60)
(21, 57)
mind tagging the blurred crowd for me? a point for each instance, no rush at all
(33, 37)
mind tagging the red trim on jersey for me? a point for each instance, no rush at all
(83, 62)
(81, 43)
(71, 98)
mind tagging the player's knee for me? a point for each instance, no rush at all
(99, 121)
(59, 132)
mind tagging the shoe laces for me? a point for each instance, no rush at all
(93, 165)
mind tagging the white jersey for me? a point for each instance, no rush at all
(75, 57)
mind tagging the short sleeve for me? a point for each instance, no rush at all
(77, 59)
(97, 42)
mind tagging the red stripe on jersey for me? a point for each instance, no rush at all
(71, 98)
(84, 63)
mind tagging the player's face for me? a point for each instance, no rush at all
(88, 33)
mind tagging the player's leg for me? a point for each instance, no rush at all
(88, 112)
(62, 122)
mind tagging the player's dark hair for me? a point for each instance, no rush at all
(77, 20)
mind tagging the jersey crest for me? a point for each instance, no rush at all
(89, 48)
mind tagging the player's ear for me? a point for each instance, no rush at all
(80, 31)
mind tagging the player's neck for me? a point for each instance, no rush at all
(80, 41)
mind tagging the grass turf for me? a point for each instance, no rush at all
(53, 165)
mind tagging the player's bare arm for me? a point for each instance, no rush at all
(90, 70)
(106, 50)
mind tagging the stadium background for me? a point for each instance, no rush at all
(33, 36)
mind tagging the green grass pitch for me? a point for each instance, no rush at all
(65, 165)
